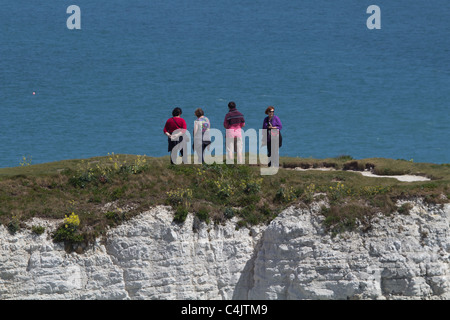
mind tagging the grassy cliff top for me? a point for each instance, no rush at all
(105, 191)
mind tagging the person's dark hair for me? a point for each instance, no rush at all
(231, 105)
(199, 112)
(176, 112)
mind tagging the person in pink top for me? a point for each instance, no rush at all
(233, 122)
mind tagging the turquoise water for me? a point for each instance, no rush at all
(338, 87)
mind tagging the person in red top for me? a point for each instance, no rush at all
(174, 129)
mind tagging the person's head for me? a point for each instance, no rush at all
(270, 110)
(231, 105)
(177, 112)
(199, 112)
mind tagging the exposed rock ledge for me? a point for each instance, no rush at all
(149, 257)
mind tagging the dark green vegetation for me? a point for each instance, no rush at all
(215, 193)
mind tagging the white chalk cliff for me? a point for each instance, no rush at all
(150, 257)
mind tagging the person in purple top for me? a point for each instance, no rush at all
(272, 122)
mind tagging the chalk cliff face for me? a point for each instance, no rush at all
(150, 257)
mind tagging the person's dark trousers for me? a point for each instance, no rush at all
(172, 145)
(269, 152)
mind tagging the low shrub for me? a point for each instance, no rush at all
(229, 213)
(181, 214)
(285, 194)
(346, 217)
(203, 215)
(13, 226)
(405, 208)
(38, 230)
(68, 231)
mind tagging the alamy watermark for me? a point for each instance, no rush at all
(74, 20)
(374, 21)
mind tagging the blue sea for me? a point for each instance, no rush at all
(338, 87)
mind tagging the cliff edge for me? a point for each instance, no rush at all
(401, 256)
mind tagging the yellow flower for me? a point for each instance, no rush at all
(73, 219)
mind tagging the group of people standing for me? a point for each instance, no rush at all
(175, 129)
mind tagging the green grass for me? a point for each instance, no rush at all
(211, 192)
